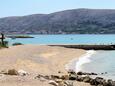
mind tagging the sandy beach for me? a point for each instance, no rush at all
(36, 59)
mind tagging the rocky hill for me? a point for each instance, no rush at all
(76, 21)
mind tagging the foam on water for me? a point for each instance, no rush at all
(76, 64)
(83, 60)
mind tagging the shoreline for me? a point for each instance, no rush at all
(84, 59)
(77, 63)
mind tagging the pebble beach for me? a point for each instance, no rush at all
(34, 60)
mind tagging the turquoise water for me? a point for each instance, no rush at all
(66, 39)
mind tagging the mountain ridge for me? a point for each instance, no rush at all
(75, 21)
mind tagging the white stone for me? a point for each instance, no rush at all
(22, 72)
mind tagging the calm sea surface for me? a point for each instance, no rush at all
(101, 61)
(66, 39)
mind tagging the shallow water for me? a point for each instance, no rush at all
(101, 62)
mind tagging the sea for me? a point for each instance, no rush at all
(97, 61)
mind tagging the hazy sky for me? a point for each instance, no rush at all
(25, 7)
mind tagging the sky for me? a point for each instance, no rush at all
(27, 7)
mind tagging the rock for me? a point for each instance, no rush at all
(58, 80)
(105, 72)
(97, 81)
(42, 78)
(79, 73)
(4, 72)
(105, 83)
(110, 82)
(79, 78)
(59, 72)
(72, 77)
(38, 76)
(113, 83)
(61, 83)
(54, 77)
(102, 73)
(71, 72)
(83, 73)
(64, 83)
(52, 82)
(64, 77)
(22, 72)
(86, 79)
(92, 82)
(12, 72)
(47, 77)
(68, 83)
(94, 74)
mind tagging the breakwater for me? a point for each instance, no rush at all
(89, 47)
